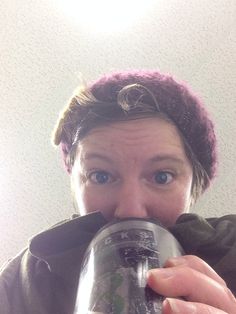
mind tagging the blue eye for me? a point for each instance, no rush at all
(163, 177)
(99, 177)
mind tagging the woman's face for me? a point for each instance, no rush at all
(135, 168)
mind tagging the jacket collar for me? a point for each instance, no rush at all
(66, 235)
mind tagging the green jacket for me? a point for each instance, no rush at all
(43, 278)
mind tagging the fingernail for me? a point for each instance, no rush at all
(175, 261)
(178, 306)
(173, 305)
(162, 273)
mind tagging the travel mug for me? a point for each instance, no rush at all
(115, 265)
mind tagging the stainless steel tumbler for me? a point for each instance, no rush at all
(113, 272)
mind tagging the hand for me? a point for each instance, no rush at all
(201, 289)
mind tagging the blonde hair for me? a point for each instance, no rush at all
(68, 118)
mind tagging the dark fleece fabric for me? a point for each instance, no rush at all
(43, 278)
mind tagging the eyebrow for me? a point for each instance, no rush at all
(167, 157)
(157, 158)
(89, 156)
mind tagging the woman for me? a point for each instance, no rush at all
(135, 144)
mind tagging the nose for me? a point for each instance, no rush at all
(131, 201)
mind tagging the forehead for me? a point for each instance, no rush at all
(140, 137)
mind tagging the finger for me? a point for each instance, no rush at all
(175, 306)
(192, 285)
(196, 263)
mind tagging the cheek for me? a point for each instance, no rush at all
(91, 200)
(183, 198)
(175, 204)
(83, 199)
(79, 194)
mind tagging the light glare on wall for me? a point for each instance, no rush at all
(105, 15)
